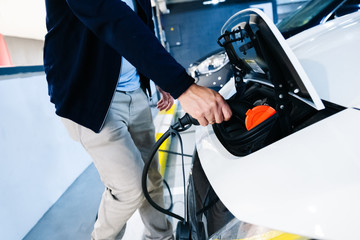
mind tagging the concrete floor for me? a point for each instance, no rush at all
(73, 215)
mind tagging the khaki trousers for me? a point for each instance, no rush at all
(119, 152)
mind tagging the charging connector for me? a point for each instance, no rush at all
(184, 123)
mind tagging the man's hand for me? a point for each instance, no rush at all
(166, 100)
(204, 104)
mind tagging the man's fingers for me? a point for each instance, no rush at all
(204, 104)
(227, 113)
(165, 104)
(166, 101)
(203, 121)
(169, 106)
(218, 118)
(218, 114)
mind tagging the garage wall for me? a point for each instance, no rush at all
(38, 160)
(192, 29)
(25, 51)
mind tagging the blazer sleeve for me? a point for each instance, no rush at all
(120, 27)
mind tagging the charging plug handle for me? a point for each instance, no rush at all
(188, 119)
(184, 123)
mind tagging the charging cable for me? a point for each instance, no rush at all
(181, 125)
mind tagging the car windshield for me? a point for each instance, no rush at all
(303, 15)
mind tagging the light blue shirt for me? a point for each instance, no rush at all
(129, 79)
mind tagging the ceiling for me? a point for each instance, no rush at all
(23, 18)
(26, 18)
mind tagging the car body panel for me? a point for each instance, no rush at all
(314, 192)
(327, 63)
(314, 13)
(307, 183)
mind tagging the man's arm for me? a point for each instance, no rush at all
(116, 24)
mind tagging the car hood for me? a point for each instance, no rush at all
(255, 43)
(329, 54)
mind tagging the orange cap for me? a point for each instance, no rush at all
(257, 115)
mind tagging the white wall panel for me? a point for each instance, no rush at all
(38, 160)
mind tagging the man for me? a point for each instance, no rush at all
(99, 56)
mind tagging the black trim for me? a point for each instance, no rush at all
(22, 69)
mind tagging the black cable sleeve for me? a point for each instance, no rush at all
(183, 124)
(175, 132)
(144, 177)
(170, 195)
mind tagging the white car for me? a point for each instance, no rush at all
(296, 168)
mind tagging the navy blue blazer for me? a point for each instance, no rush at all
(82, 56)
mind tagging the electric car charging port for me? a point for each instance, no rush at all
(240, 141)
